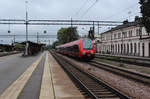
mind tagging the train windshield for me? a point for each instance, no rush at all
(87, 44)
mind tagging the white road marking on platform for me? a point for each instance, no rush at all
(46, 91)
(13, 91)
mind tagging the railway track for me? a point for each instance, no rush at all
(90, 86)
(138, 77)
(134, 61)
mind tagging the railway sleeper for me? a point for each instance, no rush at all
(107, 96)
(99, 90)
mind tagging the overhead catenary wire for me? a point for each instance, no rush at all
(82, 6)
(121, 11)
(90, 8)
(134, 14)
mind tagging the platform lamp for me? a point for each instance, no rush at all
(45, 31)
(9, 28)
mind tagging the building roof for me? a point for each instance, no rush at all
(125, 25)
(6, 46)
(32, 43)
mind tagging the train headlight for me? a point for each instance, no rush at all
(92, 51)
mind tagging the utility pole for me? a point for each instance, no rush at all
(93, 31)
(37, 37)
(14, 39)
(98, 28)
(93, 28)
(71, 21)
(49, 41)
(26, 22)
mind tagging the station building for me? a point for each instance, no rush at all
(130, 38)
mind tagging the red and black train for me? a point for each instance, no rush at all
(82, 48)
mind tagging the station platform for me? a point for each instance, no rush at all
(36, 77)
(8, 53)
(61, 85)
(126, 56)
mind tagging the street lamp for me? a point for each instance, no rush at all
(38, 35)
(26, 22)
(45, 31)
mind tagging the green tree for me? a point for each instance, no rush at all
(145, 10)
(65, 35)
(56, 43)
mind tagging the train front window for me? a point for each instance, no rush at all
(87, 44)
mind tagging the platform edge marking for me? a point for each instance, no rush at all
(46, 91)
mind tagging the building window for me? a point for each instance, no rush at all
(143, 49)
(125, 34)
(118, 48)
(127, 48)
(124, 49)
(139, 48)
(131, 47)
(115, 36)
(137, 32)
(135, 50)
(130, 33)
(119, 35)
(121, 48)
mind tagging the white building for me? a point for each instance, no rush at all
(127, 39)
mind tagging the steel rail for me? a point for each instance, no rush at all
(122, 72)
(61, 60)
(137, 61)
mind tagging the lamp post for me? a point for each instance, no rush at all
(38, 35)
(26, 22)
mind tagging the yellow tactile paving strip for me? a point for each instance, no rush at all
(46, 91)
(13, 91)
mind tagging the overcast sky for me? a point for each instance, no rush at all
(116, 10)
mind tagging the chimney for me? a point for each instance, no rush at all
(125, 22)
(137, 18)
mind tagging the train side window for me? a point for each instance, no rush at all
(76, 48)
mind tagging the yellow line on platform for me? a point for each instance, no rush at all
(47, 91)
(13, 91)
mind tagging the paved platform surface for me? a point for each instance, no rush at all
(63, 86)
(125, 56)
(37, 77)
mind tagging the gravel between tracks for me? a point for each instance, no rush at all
(134, 89)
(142, 69)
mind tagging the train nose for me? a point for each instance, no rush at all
(88, 54)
